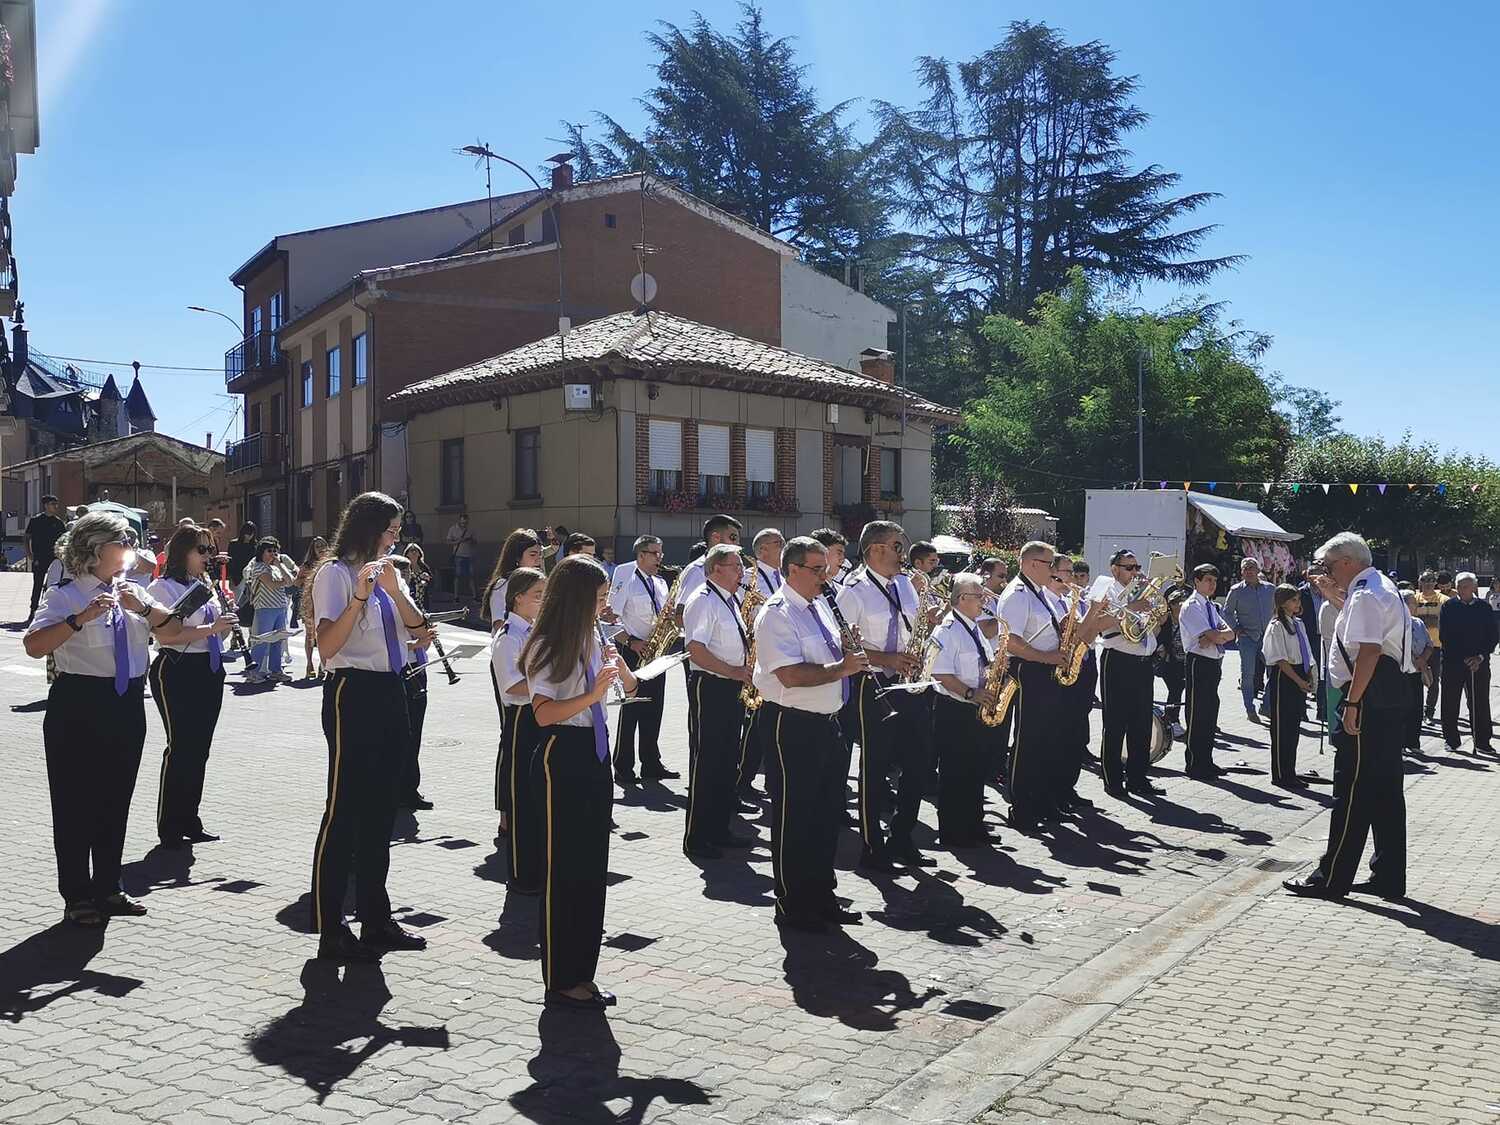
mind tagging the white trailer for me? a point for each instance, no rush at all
(1159, 520)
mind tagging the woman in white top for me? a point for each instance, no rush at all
(1291, 673)
(267, 579)
(365, 621)
(96, 624)
(187, 683)
(513, 793)
(521, 548)
(570, 674)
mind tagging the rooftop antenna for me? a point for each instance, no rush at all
(643, 285)
(481, 151)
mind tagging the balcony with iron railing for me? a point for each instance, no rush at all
(255, 457)
(255, 359)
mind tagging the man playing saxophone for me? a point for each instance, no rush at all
(637, 596)
(960, 664)
(1077, 677)
(1125, 681)
(763, 577)
(719, 649)
(1034, 616)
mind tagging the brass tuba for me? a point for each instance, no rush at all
(997, 678)
(1136, 625)
(749, 693)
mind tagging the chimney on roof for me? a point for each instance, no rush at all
(877, 363)
(562, 176)
(19, 352)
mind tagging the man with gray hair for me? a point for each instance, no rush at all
(1369, 658)
(1248, 609)
(1466, 626)
(767, 546)
(637, 596)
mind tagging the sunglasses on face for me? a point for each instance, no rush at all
(1129, 566)
(204, 549)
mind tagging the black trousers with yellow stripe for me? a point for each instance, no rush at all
(518, 740)
(188, 695)
(503, 750)
(712, 769)
(1203, 675)
(806, 768)
(93, 740)
(640, 719)
(1125, 688)
(752, 752)
(1287, 704)
(894, 741)
(576, 794)
(365, 723)
(962, 744)
(1367, 797)
(1041, 730)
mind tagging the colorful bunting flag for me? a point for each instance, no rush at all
(1382, 489)
(1325, 490)
(1354, 488)
(1265, 484)
(1442, 490)
(1213, 485)
(1296, 488)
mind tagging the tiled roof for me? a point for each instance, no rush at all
(658, 341)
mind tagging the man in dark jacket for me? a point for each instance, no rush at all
(43, 531)
(1309, 614)
(1469, 635)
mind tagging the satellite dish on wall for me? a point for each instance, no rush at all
(643, 288)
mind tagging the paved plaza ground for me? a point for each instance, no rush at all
(1141, 965)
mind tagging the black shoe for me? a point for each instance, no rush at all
(1310, 886)
(627, 780)
(121, 903)
(1370, 887)
(203, 836)
(1146, 789)
(836, 915)
(802, 925)
(659, 773)
(415, 801)
(342, 946)
(1027, 826)
(874, 861)
(595, 1003)
(910, 857)
(388, 935)
(701, 851)
(736, 842)
(1116, 791)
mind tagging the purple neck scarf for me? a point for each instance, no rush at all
(596, 710)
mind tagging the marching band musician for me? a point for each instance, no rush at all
(718, 528)
(718, 647)
(636, 598)
(514, 796)
(766, 575)
(521, 548)
(1370, 653)
(837, 547)
(959, 667)
(96, 625)
(1078, 697)
(1125, 682)
(800, 672)
(364, 619)
(924, 559)
(1030, 611)
(767, 546)
(1204, 633)
(414, 680)
(894, 727)
(187, 683)
(1290, 674)
(570, 675)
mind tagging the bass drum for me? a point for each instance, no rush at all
(1161, 736)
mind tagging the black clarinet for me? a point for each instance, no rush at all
(236, 636)
(419, 592)
(852, 640)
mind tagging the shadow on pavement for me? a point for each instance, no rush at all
(996, 867)
(58, 955)
(1168, 812)
(934, 906)
(297, 916)
(516, 937)
(833, 976)
(309, 1042)
(576, 1073)
(732, 879)
(1478, 937)
(159, 868)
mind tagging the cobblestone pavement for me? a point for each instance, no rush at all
(959, 990)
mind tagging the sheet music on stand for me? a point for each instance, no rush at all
(914, 686)
(274, 637)
(661, 664)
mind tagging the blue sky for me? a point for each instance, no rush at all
(1353, 144)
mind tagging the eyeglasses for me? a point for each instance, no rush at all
(653, 554)
(204, 549)
(821, 568)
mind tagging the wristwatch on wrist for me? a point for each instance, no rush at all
(72, 620)
(969, 695)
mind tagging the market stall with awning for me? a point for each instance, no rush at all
(1259, 536)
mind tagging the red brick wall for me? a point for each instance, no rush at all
(737, 484)
(828, 471)
(786, 465)
(690, 456)
(871, 490)
(642, 457)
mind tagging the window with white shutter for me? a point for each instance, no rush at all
(664, 457)
(760, 464)
(713, 464)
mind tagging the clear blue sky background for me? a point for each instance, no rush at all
(1354, 144)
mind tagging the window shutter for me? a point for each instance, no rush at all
(713, 451)
(760, 455)
(666, 445)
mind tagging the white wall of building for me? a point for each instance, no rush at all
(824, 318)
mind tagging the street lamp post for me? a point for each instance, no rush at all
(238, 331)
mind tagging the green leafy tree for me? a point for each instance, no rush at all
(1014, 170)
(1059, 411)
(733, 120)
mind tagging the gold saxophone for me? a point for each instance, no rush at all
(1073, 650)
(921, 636)
(997, 679)
(749, 693)
(664, 630)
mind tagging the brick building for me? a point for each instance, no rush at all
(646, 422)
(317, 371)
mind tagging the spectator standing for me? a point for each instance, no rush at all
(1467, 630)
(1421, 650)
(1428, 609)
(43, 531)
(411, 530)
(461, 540)
(267, 577)
(1248, 609)
(242, 552)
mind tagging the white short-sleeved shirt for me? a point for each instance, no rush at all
(957, 653)
(54, 574)
(1278, 644)
(1104, 588)
(767, 577)
(712, 619)
(1032, 615)
(505, 656)
(692, 577)
(91, 650)
(1199, 615)
(333, 589)
(569, 686)
(497, 604)
(869, 610)
(785, 634)
(636, 599)
(167, 591)
(1373, 613)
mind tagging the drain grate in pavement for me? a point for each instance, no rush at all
(1275, 865)
(454, 845)
(630, 942)
(239, 886)
(971, 1010)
